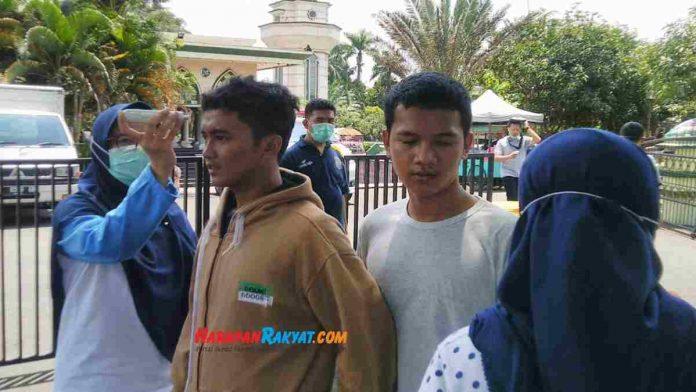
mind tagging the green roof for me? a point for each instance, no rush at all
(250, 52)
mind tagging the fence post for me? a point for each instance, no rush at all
(491, 173)
(199, 196)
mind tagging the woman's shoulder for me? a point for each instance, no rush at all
(458, 343)
(455, 366)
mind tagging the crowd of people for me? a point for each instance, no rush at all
(446, 292)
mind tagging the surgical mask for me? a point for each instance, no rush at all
(640, 218)
(125, 163)
(322, 133)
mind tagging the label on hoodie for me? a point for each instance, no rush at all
(255, 293)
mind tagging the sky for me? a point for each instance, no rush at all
(241, 18)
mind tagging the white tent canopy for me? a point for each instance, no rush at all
(490, 108)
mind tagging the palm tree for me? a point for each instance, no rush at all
(361, 43)
(346, 96)
(153, 10)
(457, 40)
(390, 64)
(339, 69)
(57, 52)
(106, 6)
(140, 64)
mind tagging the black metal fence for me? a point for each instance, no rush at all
(31, 190)
(375, 184)
(28, 189)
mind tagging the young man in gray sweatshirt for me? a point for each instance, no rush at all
(439, 254)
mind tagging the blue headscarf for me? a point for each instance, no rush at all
(159, 275)
(580, 305)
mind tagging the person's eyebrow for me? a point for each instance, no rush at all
(405, 132)
(447, 133)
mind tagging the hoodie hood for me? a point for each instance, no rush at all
(261, 208)
(257, 210)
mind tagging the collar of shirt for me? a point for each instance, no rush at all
(306, 144)
(515, 141)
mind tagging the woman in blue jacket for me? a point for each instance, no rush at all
(121, 261)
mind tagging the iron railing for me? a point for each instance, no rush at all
(374, 183)
(31, 190)
(26, 189)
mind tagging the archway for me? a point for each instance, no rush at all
(224, 78)
(191, 90)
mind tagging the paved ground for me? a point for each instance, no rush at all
(676, 251)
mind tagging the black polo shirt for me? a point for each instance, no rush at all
(327, 172)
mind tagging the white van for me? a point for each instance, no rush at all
(32, 128)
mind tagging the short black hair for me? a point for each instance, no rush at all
(632, 131)
(268, 108)
(318, 104)
(514, 121)
(429, 90)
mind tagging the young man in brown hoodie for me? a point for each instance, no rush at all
(273, 270)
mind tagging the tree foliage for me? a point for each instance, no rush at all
(11, 32)
(100, 51)
(339, 69)
(669, 65)
(60, 50)
(390, 66)
(369, 121)
(361, 43)
(456, 37)
(578, 71)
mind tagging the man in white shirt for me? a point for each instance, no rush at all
(512, 151)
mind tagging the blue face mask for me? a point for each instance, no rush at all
(322, 133)
(126, 163)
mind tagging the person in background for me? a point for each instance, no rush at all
(272, 258)
(121, 261)
(176, 177)
(512, 151)
(314, 157)
(439, 254)
(580, 305)
(634, 132)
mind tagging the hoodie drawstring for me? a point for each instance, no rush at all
(199, 267)
(238, 220)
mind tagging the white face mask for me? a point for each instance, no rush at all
(635, 215)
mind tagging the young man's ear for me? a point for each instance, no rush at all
(305, 122)
(272, 145)
(469, 141)
(385, 140)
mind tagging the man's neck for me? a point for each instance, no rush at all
(319, 146)
(450, 202)
(265, 183)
